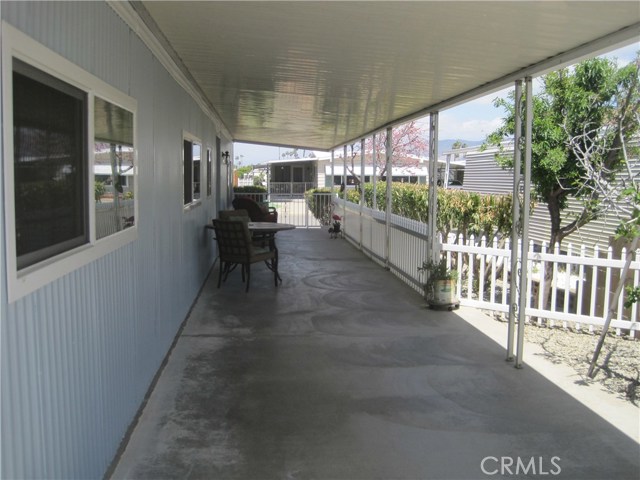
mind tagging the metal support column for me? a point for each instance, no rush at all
(374, 179)
(268, 183)
(387, 213)
(433, 249)
(515, 222)
(526, 204)
(361, 188)
(344, 191)
(332, 184)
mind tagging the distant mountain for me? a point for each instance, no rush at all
(445, 145)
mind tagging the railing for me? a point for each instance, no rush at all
(258, 197)
(580, 290)
(283, 190)
(407, 245)
(293, 210)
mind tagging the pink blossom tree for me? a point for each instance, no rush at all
(408, 144)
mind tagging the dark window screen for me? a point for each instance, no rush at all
(50, 158)
(188, 172)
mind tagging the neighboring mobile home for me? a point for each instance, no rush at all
(292, 177)
(483, 175)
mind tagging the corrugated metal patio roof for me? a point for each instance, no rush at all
(321, 74)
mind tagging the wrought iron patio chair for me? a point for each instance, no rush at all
(236, 247)
(259, 239)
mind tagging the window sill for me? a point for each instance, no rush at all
(23, 282)
(192, 205)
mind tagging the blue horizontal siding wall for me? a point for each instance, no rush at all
(79, 354)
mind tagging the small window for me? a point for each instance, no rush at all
(49, 164)
(191, 170)
(209, 171)
(113, 168)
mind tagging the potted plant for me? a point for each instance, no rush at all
(336, 230)
(440, 285)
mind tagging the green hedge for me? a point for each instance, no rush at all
(250, 189)
(459, 211)
(320, 210)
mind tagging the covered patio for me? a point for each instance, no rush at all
(341, 372)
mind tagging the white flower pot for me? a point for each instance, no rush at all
(444, 292)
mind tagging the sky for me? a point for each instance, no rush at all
(473, 120)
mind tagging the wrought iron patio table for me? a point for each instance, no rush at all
(268, 230)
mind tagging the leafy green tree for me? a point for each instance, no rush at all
(582, 122)
(258, 179)
(297, 153)
(582, 119)
(99, 190)
(242, 171)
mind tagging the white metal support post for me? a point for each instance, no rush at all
(374, 179)
(526, 203)
(229, 183)
(344, 191)
(361, 188)
(515, 222)
(433, 250)
(332, 184)
(387, 213)
(268, 182)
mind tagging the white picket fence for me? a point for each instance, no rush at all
(581, 285)
(108, 221)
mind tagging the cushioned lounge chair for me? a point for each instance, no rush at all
(257, 212)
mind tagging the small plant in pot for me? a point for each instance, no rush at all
(440, 285)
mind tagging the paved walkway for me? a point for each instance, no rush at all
(342, 373)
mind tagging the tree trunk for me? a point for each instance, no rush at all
(553, 205)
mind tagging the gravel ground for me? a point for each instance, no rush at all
(618, 366)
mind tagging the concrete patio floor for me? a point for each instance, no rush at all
(342, 373)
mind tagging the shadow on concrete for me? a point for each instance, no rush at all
(342, 373)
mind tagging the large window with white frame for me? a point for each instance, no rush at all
(50, 160)
(62, 127)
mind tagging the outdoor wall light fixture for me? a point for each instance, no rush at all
(225, 157)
